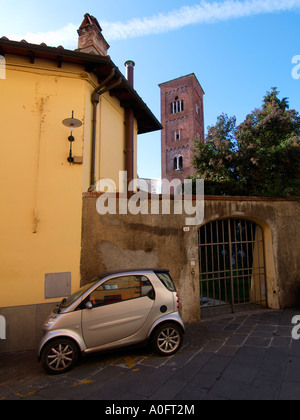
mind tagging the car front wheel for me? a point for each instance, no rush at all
(167, 339)
(59, 356)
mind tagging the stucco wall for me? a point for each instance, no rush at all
(41, 191)
(112, 242)
(24, 326)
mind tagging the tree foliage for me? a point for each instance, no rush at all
(260, 157)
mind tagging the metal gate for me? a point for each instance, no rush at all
(232, 266)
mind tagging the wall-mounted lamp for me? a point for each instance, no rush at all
(71, 123)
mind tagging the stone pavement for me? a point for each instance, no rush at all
(246, 356)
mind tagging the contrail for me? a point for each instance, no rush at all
(204, 12)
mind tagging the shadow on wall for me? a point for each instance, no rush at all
(114, 257)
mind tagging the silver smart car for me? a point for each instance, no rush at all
(116, 309)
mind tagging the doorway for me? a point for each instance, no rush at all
(232, 266)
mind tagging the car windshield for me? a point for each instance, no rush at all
(65, 303)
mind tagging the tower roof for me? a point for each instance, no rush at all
(175, 81)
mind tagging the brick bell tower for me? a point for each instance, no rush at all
(183, 120)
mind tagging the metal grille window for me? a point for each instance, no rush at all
(232, 265)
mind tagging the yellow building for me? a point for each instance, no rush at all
(42, 181)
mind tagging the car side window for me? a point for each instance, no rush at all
(120, 289)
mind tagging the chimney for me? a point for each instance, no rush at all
(130, 71)
(90, 38)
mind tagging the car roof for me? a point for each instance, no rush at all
(131, 271)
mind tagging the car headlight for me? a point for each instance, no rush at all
(50, 322)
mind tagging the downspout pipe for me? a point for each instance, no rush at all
(100, 90)
(129, 121)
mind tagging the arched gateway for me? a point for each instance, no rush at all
(232, 266)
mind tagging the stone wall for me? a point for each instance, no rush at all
(111, 242)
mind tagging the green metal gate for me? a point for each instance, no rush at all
(232, 266)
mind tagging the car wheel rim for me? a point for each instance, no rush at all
(168, 340)
(60, 357)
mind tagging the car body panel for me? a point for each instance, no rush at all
(174, 317)
(111, 323)
(114, 323)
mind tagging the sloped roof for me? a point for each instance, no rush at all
(101, 66)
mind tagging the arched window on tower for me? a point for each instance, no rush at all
(178, 163)
(177, 106)
(177, 135)
(175, 164)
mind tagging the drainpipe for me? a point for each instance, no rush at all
(129, 121)
(100, 90)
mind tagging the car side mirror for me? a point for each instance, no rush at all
(89, 305)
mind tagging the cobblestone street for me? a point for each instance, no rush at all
(246, 356)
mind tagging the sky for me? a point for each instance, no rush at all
(238, 49)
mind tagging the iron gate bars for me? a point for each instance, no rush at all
(232, 265)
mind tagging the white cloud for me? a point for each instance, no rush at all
(67, 37)
(203, 13)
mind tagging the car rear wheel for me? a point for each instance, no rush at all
(59, 356)
(167, 339)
